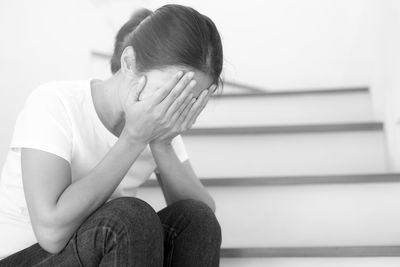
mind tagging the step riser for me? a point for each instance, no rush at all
(278, 110)
(303, 216)
(311, 262)
(287, 154)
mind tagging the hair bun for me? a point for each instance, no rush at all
(128, 28)
(141, 14)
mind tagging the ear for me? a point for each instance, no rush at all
(128, 61)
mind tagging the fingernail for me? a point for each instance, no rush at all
(190, 75)
(179, 74)
(192, 83)
(213, 88)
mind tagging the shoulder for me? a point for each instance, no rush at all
(55, 95)
(59, 89)
(54, 101)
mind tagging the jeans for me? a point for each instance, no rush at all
(128, 232)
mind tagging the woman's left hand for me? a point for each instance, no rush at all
(185, 117)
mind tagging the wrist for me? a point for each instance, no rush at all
(160, 145)
(131, 140)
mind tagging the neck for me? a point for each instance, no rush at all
(107, 101)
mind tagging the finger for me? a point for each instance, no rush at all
(203, 103)
(134, 93)
(163, 92)
(178, 113)
(176, 105)
(181, 118)
(195, 109)
(176, 92)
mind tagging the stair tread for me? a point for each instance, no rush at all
(293, 128)
(286, 92)
(293, 180)
(349, 251)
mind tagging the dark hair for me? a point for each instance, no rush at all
(171, 35)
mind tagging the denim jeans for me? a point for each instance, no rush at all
(128, 232)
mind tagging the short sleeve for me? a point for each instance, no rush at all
(179, 147)
(43, 124)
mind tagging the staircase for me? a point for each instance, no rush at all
(300, 178)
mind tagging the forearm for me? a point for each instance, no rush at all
(85, 195)
(178, 181)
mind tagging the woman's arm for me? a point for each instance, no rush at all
(58, 207)
(178, 179)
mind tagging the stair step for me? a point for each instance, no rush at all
(311, 262)
(287, 129)
(287, 107)
(291, 180)
(287, 150)
(311, 252)
(381, 256)
(362, 214)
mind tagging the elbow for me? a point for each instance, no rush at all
(212, 205)
(50, 238)
(50, 247)
(210, 202)
(50, 241)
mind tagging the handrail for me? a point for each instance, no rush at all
(258, 91)
(249, 88)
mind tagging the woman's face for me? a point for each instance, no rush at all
(157, 78)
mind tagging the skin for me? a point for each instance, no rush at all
(140, 111)
(178, 180)
(109, 97)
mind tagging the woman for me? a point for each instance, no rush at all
(81, 149)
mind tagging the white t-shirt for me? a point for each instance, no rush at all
(60, 118)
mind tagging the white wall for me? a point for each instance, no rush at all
(293, 44)
(385, 85)
(268, 43)
(41, 40)
(283, 44)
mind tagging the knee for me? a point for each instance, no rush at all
(201, 217)
(136, 215)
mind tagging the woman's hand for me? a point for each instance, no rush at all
(147, 119)
(185, 116)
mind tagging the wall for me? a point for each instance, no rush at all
(41, 41)
(385, 83)
(273, 44)
(282, 44)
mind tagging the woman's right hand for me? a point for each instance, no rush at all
(148, 118)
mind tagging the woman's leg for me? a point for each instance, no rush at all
(192, 235)
(123, 232)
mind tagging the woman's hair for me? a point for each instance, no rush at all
(171, 35)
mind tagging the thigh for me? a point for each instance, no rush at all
(118, 233)
(71, 254)
(192, 234)
(35, 255)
